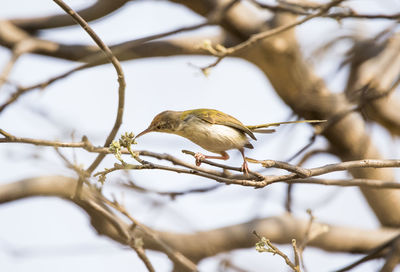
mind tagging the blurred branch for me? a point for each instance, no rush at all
(227, 263)
(172, 194)
(371, 90)
(393, 257)
(373, 254)
(301, 9)
(99, 9)
(176, 256)
(99, 58)
(84, 143)
(123, 232)
(20, 48)
(280, 229)
(222, 52)
(282, 165)
(94, 59)
(307, 156)
(310, 234)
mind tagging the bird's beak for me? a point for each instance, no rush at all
(147, 130)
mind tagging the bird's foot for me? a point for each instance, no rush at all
(245, 168)
(199, 158)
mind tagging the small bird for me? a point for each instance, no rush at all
(213, 130)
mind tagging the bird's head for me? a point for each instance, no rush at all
(166, 121)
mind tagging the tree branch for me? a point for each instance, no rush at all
(99, 9)
(299, 9)
(299, 174)
(280, 229)
(120, 73)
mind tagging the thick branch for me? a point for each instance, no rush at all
(99, 9)
(280, 229)
(10, 36)
(372, 89)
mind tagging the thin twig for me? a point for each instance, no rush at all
(22, 47)
(238, 169)
(309, 236)
(308, 155)
(370, 183)
(22, 90)
(124, 233)
(120, 73)
(302, 172)
(265, 245)
(9, 138)
(296, 255)
(97, 59)
(174, 255)
(172, 194)
(373, 254)
(8, 67)
(135, 243)
(260, 181)
(300, 9)
(224, 52)
(304, 148)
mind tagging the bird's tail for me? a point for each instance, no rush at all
(261, 128)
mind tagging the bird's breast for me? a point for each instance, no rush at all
(214, 138)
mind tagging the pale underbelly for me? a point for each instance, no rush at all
(217, 138)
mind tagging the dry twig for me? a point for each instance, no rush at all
(256, 180)
(265, 245)
(222, 52)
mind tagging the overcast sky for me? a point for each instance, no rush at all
(49, 234)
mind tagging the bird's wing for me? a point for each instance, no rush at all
(220, 118)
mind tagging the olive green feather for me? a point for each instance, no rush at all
(218, 118)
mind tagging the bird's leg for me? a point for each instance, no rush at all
(201, 157)
(245, 167)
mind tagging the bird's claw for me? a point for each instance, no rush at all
(199, 158)
(245, 168)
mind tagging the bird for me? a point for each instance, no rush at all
(211, 129)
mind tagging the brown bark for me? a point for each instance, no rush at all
(199, 245)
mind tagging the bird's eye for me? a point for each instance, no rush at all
(158, 127)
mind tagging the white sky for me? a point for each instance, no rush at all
(48, 234)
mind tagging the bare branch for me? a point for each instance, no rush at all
(94, 59)
(255, 180)
(373, 92)
(393, 258)
(224, 52)
(280, 229)
(282, 165)
(296, 255)
(8, 67)
(300, 9)
(120, 73)
(172, 194)
(265, 245)
(373, 254)
(173, 254)
(99, 9)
